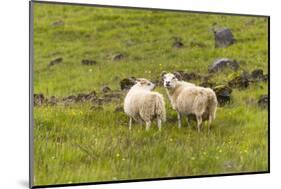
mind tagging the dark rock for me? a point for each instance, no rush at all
(82, 97)
(257, 75)
(223, 38)
(69, 100)
(178, 44)
(263, 101)
(242, 81)
(38, 99)
(56, 61)
(222, 63)
(118, 56)
(52, 101)
(58, 23)
(223, 94)
(127, 83)
(88, 62)
(105, 89)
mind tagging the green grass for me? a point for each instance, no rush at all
(80, 144)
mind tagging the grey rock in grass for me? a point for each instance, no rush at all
(263, 101)
(118, 56)
(52, 100)
(178, 44)
(223, 93)
(88, 62)
(55, 61)
(223, 63)
(38, 99)
(223, 38)
(127, 83)
(257, 75)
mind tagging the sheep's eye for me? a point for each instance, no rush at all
(174, 77)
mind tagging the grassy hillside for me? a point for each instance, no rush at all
(83, 142)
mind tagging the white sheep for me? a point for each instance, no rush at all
(189, 99)
(141, 104)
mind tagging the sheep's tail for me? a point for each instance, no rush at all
(212, 104)
(160, 107)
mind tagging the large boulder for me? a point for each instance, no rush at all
(223, 63)
(223, 38)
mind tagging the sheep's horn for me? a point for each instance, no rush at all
(163, 73)
(178, 75)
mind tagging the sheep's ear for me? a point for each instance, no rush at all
(141, 81)
(178, 75)
(162, 74)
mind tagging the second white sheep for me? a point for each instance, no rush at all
(189, 99)
(142, 104)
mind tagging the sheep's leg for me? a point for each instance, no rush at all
(187, 121)
(130, 123)
(159, 123)
(209, 123)
(199, 121)
(179, 120)
(148, 123)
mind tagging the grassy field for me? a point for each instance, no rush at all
(79, 143)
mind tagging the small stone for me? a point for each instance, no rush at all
(263, 101)
(257, 75)
(178, 44)
(38, 99)
(56, 61)
(105, 89)
(118, 56)
(88, 62)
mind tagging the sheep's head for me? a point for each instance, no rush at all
(170, 80)
(144, 84)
